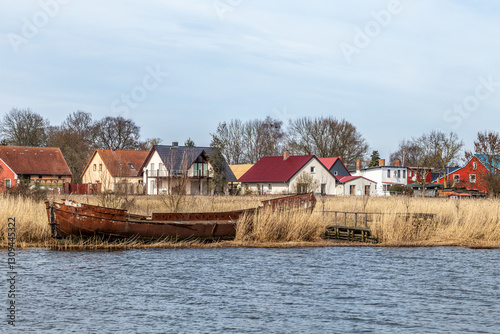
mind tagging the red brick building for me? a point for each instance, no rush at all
(43, 165)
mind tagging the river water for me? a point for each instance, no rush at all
(244, 290)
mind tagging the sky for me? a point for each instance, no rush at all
(395, 69)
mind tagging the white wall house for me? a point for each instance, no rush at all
(289, 174)
(356, 186)
(169, 167)
(384, 176)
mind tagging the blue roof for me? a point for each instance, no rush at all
(489, 160)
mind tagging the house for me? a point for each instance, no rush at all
(239, 171)
(384, 176)
(44, 166)
(480, 173)
(347, 184)
(115, 170)
(289, 174)
(170, 168)
(335, 166)
(355, 186)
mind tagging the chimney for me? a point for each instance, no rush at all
(286, 154)
(112, 149)
(397, 163)
(358, 164)
(381, 162)
(175, 143)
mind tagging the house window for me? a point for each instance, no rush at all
(404, 174)
(367, 190)
(59, 177)
(456, 178)
(474, 165)
(395, 174)
(100, 167)
(95, 167)
(130, 165)
(313, 169)
(399, 173)
(335, 173)
(386, 187)
(7, 183)
(269, 187)
(152, 166)
(352, 190)
(472, 178)
(323, 188)
(388, 173)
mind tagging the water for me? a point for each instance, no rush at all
(240, 290)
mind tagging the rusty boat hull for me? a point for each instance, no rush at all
(82, 220)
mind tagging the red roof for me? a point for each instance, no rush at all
(35, 160)
(121, 163)
(328, 162)
(275, 169)
(344, 179)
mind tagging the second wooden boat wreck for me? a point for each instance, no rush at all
(71, 218)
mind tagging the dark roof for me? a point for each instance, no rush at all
(275, 169)
(122, 163)
(175, 156)
(35, 160)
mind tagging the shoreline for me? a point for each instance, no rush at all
(88, 245)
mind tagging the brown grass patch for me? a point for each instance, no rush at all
(465, 222)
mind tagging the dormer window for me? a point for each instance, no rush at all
(130, 165)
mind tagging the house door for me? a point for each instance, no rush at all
(152, 187)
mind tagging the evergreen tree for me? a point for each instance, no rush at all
(375, 157)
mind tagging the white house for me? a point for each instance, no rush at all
(289, 174)
(383, 176)
(167, 168)
(355, 186)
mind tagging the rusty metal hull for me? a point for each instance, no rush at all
(78, 219)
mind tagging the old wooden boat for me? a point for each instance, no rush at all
(70, 218)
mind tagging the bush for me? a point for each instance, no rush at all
(28, 191)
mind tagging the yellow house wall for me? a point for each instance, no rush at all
(99, 176)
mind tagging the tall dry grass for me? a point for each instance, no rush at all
(286, 226)
(464, 222)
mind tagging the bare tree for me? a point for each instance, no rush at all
(23, 127)
(440, 150)
(305, 183)
(229, 140)
(118, 132)
(247, 142)
(327, 137)
(408, 153)
(76, 139)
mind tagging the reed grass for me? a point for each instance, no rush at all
(464, 222)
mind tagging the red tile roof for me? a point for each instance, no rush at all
(275, 169)
(121, 163)
(35, 160)
(328, 162)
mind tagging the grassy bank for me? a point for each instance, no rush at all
(465, 222)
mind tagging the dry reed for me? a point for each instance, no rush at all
(462, 222)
